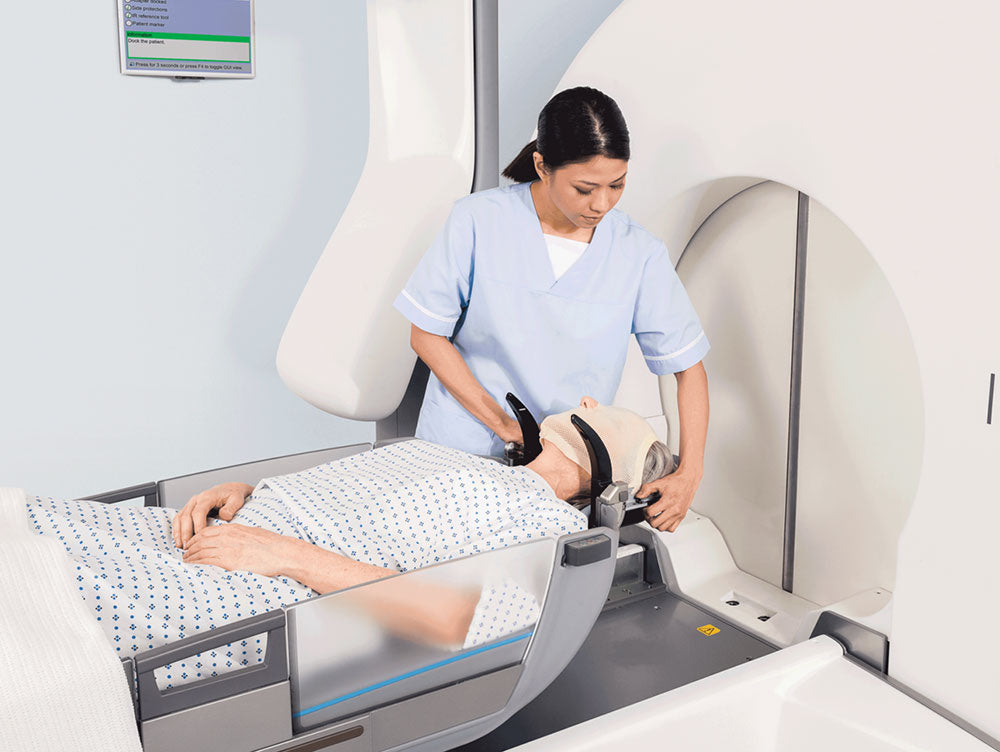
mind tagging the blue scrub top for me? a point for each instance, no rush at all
(548, 341)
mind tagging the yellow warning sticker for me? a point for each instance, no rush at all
(709, 629)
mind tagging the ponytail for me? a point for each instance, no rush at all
(522, 168)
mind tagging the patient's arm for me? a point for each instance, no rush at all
(228, 498)
(418, 610)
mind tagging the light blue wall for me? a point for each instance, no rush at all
(538, 41)
(154, 235)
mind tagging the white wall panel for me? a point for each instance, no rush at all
(420, 160)
(739, 272)
(882, 112)
(861, 440)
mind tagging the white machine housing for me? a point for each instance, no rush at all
(877, 112)
(884, 115)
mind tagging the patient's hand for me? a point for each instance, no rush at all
(588, 402)
(248, 549)
(228, 498)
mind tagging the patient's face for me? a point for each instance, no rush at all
(581, 473)
(626, 437)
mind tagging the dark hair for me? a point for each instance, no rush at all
(575, 125)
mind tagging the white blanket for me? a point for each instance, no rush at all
(61, 685)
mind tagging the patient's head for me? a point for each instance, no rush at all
(637, 457)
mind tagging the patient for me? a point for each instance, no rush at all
(155, 575)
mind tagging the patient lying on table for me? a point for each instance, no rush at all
(155, 575)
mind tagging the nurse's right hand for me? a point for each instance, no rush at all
(228, 498)
(510, 431)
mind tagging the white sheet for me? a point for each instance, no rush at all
(61, 685)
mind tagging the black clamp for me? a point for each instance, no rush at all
(610, 503)
(522, 454)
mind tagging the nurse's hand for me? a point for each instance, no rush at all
(510, 431)
(676, 494)
(228, 498)
(588, 402)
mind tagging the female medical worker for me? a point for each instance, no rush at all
(534, 289)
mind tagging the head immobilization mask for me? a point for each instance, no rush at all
(626, 436)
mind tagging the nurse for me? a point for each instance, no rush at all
(534, 288)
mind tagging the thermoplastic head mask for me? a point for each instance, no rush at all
(626, 436)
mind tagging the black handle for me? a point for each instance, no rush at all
(154, 702)
(637, 513)
(600, 463)
(529, 430)
(634, 516)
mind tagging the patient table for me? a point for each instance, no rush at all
(325, 683)
(612, 637)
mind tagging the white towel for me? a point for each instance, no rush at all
(61, 685)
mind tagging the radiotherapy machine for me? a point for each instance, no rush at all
(824, 179)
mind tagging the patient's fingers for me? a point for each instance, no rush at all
(186, 526)
(211, 546)
(202, 556)
(193, 549)
(179, 522)
(183, 522)
(588, 402)
(198, 550)
(199, 515)
(234, 502)
(202, 541)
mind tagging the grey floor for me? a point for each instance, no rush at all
(635, 651)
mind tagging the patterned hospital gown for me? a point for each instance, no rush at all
(403, 506)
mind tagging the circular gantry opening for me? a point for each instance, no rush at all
(858, 403)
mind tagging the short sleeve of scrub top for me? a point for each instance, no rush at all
(550, 340)
(440, 286)
(665, 323)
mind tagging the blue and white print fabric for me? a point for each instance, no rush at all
(503, 608)
(403, 506)
(412, 504)
(128, 571)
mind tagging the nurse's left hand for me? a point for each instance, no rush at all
(676, 494)
(244, 548)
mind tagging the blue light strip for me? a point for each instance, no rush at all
(410, 674)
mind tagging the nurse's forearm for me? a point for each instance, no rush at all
(451, 369)
(692, 408)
